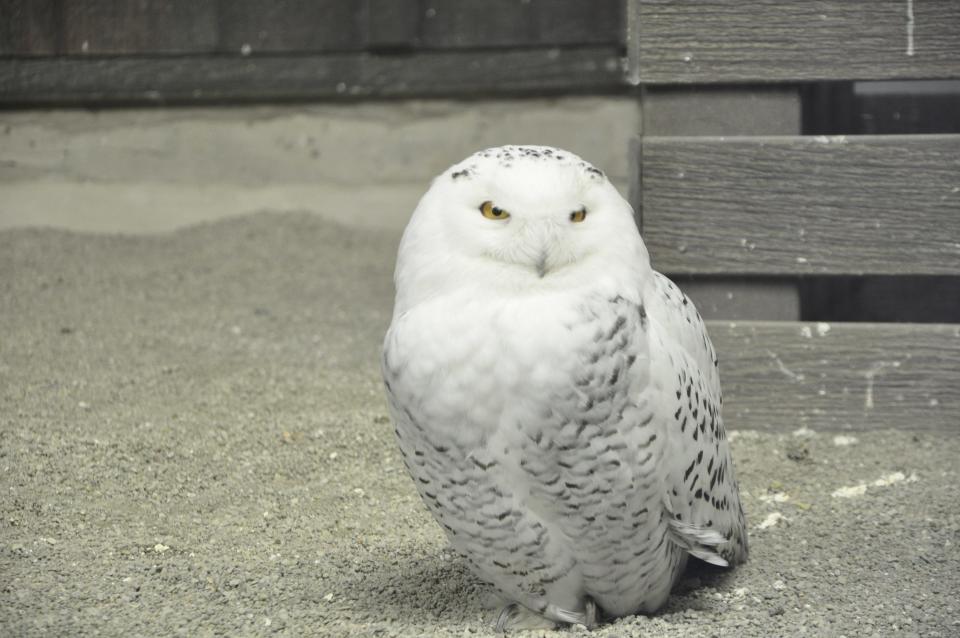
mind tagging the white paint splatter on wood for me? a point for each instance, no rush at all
(869, 374)
(784, 369)
(910, 22)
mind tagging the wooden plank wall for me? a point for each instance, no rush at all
(717, 41)
(332, 77)
(767, 210)
(29, 27)
(255, 49)
(796, 205)
(111, 27)
(802, 204)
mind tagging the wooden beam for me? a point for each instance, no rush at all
(191, 78)
(522, 23)
(291, 26)
(111, 27)
(802, 205)
(718, 41)
(391, 24)
(28, 27)
(785, 375)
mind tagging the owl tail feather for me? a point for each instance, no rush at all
(698, 541)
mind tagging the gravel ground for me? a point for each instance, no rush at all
(193, 441)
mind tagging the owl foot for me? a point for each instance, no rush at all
(590, 616)
(517, 617)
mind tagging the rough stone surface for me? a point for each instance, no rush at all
(193, 441)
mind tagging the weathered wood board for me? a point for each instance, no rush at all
(28, 27)
(785, 375)
(304, 26)
(801, 204)
(521, 23)
(138, 79)
(99, 27)
(119, 27)
(718, 41)
(308, 26)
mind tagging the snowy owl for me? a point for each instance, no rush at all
(556, 401)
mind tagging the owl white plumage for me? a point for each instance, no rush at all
(556, 401)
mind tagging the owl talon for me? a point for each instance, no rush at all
(504, 618)
(516, 616)
(590, 620)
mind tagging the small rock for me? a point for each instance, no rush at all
(798, 452)
(774, 518)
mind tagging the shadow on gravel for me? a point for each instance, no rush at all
(440, 588)
(415, 589)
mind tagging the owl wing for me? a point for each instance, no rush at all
(702, 496)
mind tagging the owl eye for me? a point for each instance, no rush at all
(492, 212)
(578, 216)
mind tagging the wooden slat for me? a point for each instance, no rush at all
(392, 24)
(74, 80)
(150, 26)
(784, 375)
(521, 23)
(28, 27)
(807, 205)
(713, 41)
(287, 26)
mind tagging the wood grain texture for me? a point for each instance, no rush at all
(785, 375)
(28, 27)
(280, 26)
(176, 79)
(717, 41)
(521, 23)
(801, 205)
(112, 27)
(392, 24)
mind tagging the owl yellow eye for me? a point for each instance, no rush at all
(492, 212)
(578, 216)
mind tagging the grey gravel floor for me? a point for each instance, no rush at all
(193, 441)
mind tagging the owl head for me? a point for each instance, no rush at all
(518, 219)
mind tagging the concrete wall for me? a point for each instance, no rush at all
(157, 169)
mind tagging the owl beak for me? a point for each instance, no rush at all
(541, 264)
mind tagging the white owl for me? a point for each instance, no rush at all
(556, 401)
